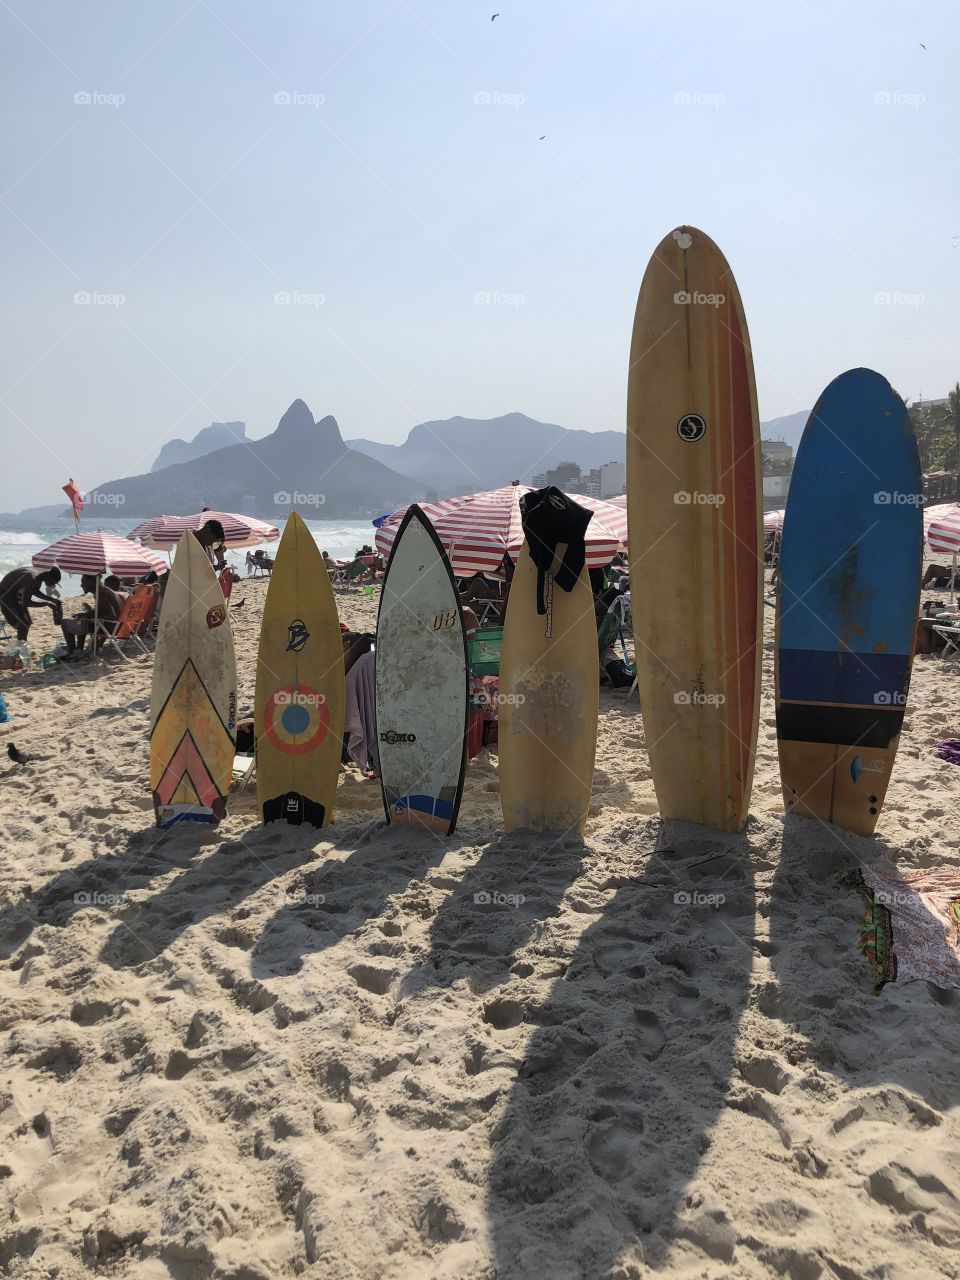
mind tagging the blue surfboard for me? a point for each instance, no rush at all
(848, 596)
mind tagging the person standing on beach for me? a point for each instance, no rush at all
(212, 538)
(20, 592)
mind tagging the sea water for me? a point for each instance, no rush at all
(19, 542)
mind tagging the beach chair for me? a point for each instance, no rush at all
(950, 635)
(134, 621)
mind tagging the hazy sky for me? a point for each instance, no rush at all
(404, 175)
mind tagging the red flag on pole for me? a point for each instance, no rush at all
(76, 501)
(73, 493)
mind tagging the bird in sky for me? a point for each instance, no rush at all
(922, 45)
(542, 136)
(494, 17)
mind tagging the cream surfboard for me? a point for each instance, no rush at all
(299, 704)
(693, 502)
(549, 699)
(422, 682)
(193, 704)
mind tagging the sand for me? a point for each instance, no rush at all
(259, 1052)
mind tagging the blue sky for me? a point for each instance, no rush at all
(404, 176)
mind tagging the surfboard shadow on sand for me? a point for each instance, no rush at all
(893, 1058)
(344, 896)
(628, 1064)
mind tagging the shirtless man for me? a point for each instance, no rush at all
(20, 592)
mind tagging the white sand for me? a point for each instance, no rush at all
(209, 1072)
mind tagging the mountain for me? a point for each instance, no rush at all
(302, 464)
(788, 428)
(217, 436)
(462, 455)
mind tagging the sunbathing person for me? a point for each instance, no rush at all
(76, 629)
(938, 576)
(20, 592)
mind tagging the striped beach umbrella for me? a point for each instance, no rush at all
(941, 513)
(163, 533)
(98, 553)
(477, 530)
(773, 521)
(943, 530)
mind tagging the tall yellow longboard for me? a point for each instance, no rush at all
(298, 713)
(193, 703)
(693, 502)
(550, 694)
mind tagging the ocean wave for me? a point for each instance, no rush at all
(11, 538)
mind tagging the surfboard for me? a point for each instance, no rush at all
(422, 683)
(847, 602)
(299, 702)
(549, 700)
(693, 507)
(193, 703)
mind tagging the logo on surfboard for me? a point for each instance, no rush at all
(297, 636)
(392, 737)
(216, 616)
(691, 428)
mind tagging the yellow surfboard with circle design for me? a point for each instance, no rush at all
(299, 705)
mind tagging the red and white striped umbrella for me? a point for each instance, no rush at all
(477, 529)
(943, 530)
(97, 552)
(164, 532)
(939, 513)
(773, 521)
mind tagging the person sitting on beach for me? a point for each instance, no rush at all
(107, 608)
(213, 540)
(360, 718)
(20, 592)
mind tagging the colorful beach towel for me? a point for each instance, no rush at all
(949, 750)
(912, 926)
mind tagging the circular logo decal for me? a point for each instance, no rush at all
(216, 616)
(296, 719)
(691, 428)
